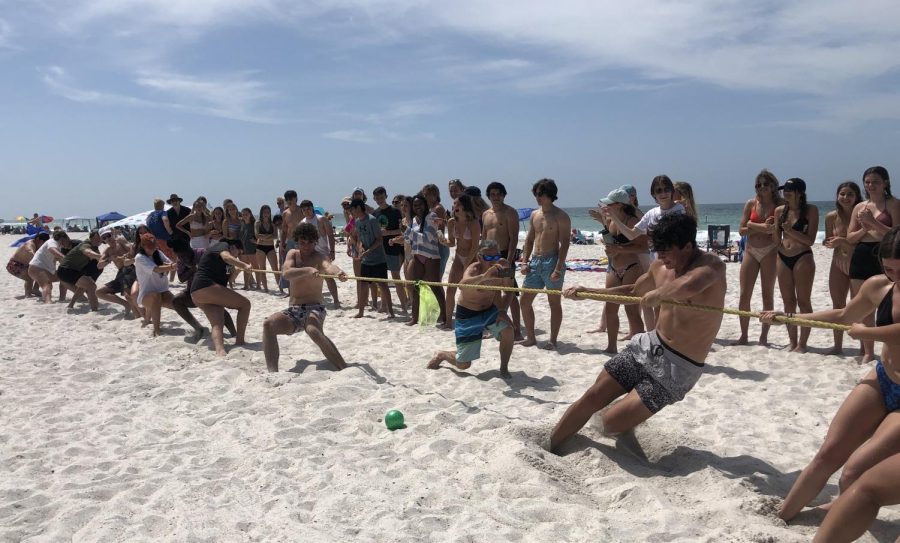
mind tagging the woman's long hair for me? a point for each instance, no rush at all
(465, 202)
(845, 215)
(801, 208)
(412, 209)
(687, 199)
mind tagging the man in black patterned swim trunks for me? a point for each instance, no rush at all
(306, 312)
(657, 368)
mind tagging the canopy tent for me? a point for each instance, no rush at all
(107, 218)
(81, 223)
(133, 221)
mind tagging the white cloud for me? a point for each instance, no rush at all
(230, 97)
(405, 111)
(819, 49)
(354, 136)
(6, 35)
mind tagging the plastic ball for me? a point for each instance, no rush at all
(393, 420)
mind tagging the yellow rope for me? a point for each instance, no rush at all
(615, 298)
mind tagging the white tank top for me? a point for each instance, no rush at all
(43, 258)
(322, 246)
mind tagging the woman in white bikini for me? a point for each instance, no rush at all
(464, 231)
(196, 222)
(837, 222)
(758, 223)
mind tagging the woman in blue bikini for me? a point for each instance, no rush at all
(796, 225)
(866, 428)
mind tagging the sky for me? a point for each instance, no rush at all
(107, 104)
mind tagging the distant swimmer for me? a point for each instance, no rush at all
(306, 310)
(477, 314)
(659, 367)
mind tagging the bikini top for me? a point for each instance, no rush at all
(234, 227)
(885, 218)
(754, 216)
(884, 316)
(263, 229)
(197, 225)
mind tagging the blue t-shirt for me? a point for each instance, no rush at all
(368, 229)
(156, 226)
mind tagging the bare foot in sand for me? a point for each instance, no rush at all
(836, 351)
(357, 316)
(740, 341)
(612, 349)
(411, 323)
(549, 346)
(528, 343)
(866, 358)
(799, 349)
(598, 330)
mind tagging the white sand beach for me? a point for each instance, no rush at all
(111, 435)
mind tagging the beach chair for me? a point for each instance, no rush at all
(718, 240)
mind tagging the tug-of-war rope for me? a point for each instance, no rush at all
(615, 298)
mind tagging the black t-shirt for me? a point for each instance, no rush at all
(211, 270)
(389, 219)
(174, 219)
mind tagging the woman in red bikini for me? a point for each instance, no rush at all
(758, 223)
(796, 226)
(870, 221)
(836, 224)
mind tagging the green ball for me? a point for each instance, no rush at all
(393, 420)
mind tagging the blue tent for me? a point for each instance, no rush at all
(525, 213)
(112, 216)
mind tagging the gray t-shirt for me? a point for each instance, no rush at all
(368, 229)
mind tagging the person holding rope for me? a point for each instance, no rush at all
(476, 312)
(306, 312)
(658, 367)
(866, 428)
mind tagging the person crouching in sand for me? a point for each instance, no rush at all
(212, 296)
(476, 312)
(306, 310)
(659, 367)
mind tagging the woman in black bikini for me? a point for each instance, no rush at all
(265, 245)
(795, 231)
(869, 222)
(866, 428)
(624, 265)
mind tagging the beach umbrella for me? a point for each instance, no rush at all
(133, 221)
(46, 219)
(525, 213)
(20, 218)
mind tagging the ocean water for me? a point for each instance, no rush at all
(710, 214)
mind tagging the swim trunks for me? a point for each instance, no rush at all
(125, 277)
(300, 314)
(17, 269)
(539, 270)
(470, 326)
(660, 374)
(890, 391)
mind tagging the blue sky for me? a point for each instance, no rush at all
(106, 104)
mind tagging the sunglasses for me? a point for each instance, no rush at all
(491, 258)
(662, 190)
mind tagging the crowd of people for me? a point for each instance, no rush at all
(652, 255)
